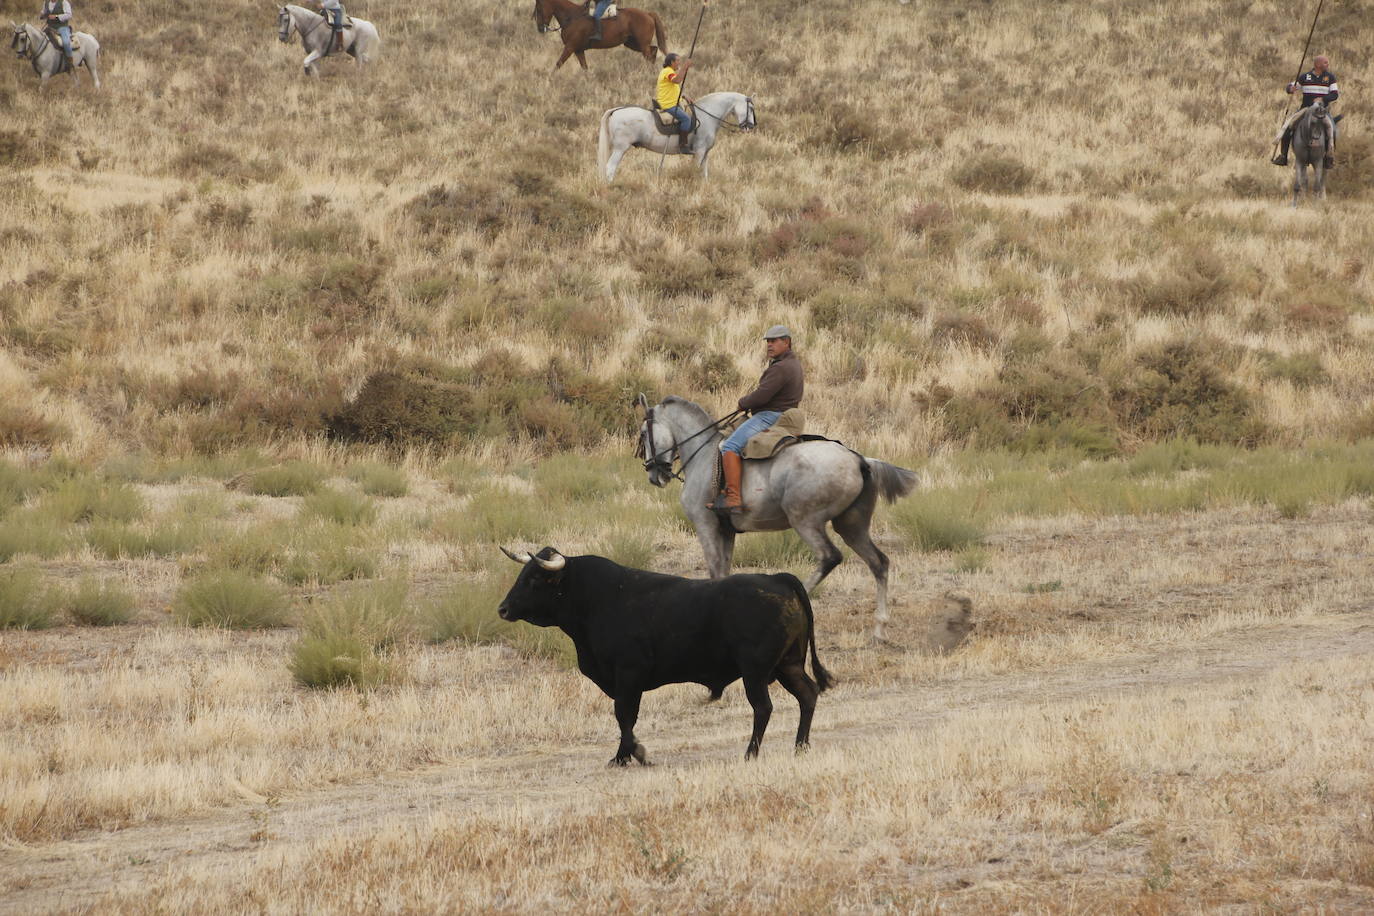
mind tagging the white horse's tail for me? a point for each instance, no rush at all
(603, 143)
(889, 481)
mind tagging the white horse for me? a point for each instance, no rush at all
(622, 128)
(34, 45)
(359, 37)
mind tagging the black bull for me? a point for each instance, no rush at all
(636, 630)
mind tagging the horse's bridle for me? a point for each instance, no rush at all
(654, 458)
(750, 118)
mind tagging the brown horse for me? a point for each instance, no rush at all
(633, 28)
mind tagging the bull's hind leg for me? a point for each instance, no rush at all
(626, 714)
(852, 526)
(756, 689)
(794, 679)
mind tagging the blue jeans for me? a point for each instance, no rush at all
(66, 32)
(748, 429)
(601, 8)
(337, 15)
(684, 123)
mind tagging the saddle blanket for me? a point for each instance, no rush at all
(787, 431)
(56, 40)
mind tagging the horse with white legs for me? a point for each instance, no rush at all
(46, 57)
(623, 128)
(360, 39)
(805, 486)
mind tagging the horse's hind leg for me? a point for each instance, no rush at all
(582, 59)
(852, 526)
(828, 556)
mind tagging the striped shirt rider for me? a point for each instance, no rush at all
(1317, 85)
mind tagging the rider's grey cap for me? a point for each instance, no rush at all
(777, 330)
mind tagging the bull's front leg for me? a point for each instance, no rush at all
(627, 713)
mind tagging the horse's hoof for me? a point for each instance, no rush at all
(882, 642)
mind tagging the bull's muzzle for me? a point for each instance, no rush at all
(503, 611)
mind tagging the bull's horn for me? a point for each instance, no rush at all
(554, 563)
(522, 558)
(642, 401)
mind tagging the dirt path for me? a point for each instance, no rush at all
(76, 873)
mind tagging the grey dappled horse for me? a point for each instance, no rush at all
(32, 44)
(622, 128)
(359, 39)
(1310, 143)
(807, 485)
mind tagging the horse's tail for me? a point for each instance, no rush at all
(889, 481)
(824, 679)
(659, 33)
(603, 143)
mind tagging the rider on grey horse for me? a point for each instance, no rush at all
(57, 19)
(1318, 84)
(668, 94)
(333, 11)
(780, 388)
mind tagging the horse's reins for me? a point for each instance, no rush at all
(720, 119)
(653, 459)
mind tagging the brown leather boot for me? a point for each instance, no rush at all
(732, 467)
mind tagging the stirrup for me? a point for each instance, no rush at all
(1279, 160)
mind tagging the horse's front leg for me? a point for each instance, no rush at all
(1297, 180)
(309, 64)
(702, 164)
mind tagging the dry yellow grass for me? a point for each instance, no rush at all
(975, 219)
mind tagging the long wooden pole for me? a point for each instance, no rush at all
(1310, 32)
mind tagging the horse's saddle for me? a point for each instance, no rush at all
(56, 39)
(666, 123)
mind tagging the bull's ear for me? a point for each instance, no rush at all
(522, 559)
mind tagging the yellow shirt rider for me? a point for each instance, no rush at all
(668, 94)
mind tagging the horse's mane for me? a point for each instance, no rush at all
(696, 411)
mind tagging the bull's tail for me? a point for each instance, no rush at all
(603, 143)
(889, 481)
(824, 679)
(659, 34)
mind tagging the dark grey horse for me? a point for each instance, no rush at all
(804, 487)
(1310, 143)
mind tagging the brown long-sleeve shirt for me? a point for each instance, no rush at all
(780, 387)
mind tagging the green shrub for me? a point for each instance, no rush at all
(83, 499)
(32, 532)
(96, 604)
(340, 507)
(573, 477)
(117, 540)
(939, 521)
(772, 550)
(376, 479)
(1177, 391)
(468, 613)
(376, 613)
(294, 478)
(1301, 370)
(323, 557)
(971, 560)
(259, 549)
(24, 603)
(15, 486)
(404, 410)
(338, 660)
(494, 518)
(229, 598)
(633, 547)
(992, 173)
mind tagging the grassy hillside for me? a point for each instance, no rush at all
(998, 224)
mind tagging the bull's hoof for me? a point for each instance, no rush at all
(803, 747)
(618, 762)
